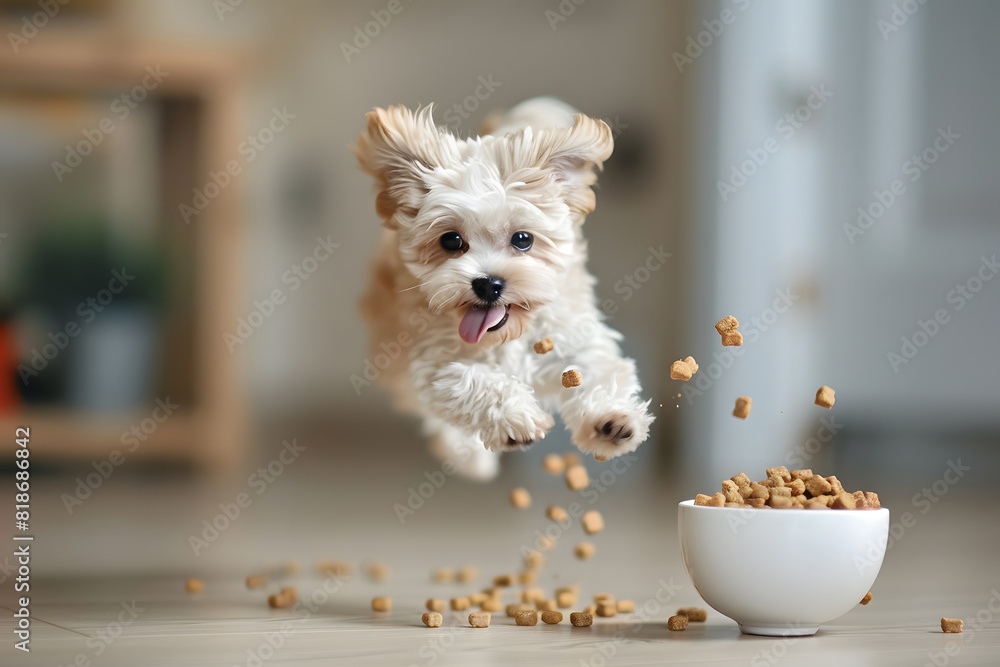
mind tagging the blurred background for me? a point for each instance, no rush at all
(184, 236)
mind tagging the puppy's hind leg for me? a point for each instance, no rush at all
(466, 452)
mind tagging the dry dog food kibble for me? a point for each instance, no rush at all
(526, 617)
(583, 550)
(544, 346)
(825, 397)
(727, 323)
(581, 619)
(534, 559)
(677, 623)
(515, 609)
(335, 568)
(554, 464)
(479, 619)
(571, 459)
(577, 477)
(432, 619)
(492, 604)
(194, 585)
(732, 339)
(551, 617)
(788, 489)
(680, 370)
(382, 604)
(565, 599)
(468, 573)
(626, 606)
(435, 604)
(951, 624)
(444, 575)
(607, 609)
(377, 571)
(867, 598)
(279, 601)
(742, 409)
(520, 498)
(693, 614)
(592, 522)
(503, 580)
(256, 582)
(527, 578)
(545, 605)
(572, 378)
(459, 604)
(557, 514)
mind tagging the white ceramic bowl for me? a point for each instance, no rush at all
(782, 572)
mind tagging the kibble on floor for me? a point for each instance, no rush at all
(479, 620)
(581, 619)
(677, 623)
(432, 619)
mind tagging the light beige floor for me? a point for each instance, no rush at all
(129, 542)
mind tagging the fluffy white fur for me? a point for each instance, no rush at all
(534, 174)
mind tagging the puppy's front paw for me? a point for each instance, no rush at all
(518, 428)
(614, 433)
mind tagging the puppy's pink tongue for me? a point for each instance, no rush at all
(478, 320)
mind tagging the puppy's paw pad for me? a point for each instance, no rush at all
(615, 428)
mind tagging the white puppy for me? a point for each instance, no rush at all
(483, 255)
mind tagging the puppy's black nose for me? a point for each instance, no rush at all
(488, 288)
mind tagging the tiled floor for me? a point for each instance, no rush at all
(108, 580)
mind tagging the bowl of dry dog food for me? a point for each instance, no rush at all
(784, 555)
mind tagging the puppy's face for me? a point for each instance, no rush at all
(487, 225)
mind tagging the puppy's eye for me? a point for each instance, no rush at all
(522, 240)
(451, 241)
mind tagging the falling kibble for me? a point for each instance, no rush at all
(256, 582)
(825, 397)
(867, 598)
(520, 498)
(742, 409)
(584, 550)
(577, 478)
(572, 378)
(194, 585)
(554, 464)
(544, 346)
(382, 604)
(592, 522)
(556, 513)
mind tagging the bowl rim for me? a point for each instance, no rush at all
(690, 503)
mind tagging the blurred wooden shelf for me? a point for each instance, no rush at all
(59, 434)
(210, 85)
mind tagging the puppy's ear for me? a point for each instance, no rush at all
(571, 155)
(397, 148)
